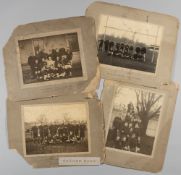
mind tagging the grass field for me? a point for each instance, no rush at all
(33, 149)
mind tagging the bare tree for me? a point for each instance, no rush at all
(148, 107)
(66, 117)
(42, 119)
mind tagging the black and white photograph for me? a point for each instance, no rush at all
(56, 129)
(134, 120)
(52, 57)
(129, 44)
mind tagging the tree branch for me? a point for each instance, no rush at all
(156, 113)
(157, 99)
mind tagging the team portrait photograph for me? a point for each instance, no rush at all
(128, 43)
(134, 120)
(50, 58)
(55, 129)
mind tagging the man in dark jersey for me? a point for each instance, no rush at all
(31, 62)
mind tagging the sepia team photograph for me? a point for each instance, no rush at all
(52, 57)
(55, 129)
(134, 120)
(128, 43)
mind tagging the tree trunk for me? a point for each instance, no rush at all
(144, 127)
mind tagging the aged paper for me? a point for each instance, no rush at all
(52, 74)
(134, 45)
(56, 132)
(137, 124)
(52, 58)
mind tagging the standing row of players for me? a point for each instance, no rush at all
(57, 64)
(122, 50)
(57, 134)
(126, 134)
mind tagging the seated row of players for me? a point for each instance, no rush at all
(126, 134)
(57, 134)
(57, 64)
(123, 50)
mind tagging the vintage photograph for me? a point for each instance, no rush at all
(134, 120)
(50, 58)
(129, 44)
(56, 129)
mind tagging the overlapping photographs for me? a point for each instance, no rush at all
(134, 120)
(51, 57)
(129, 44)
(56, 129)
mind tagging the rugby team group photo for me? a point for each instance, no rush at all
(128, 44)
(56, 129)
(134, 121)
(46, 58)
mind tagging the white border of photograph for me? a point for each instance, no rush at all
(170, 26)
(52, 82)
(131, 160)
(56, 154)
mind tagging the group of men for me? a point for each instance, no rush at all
(125, 134)
(57, 64)
(58, 133)
(122, 50)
